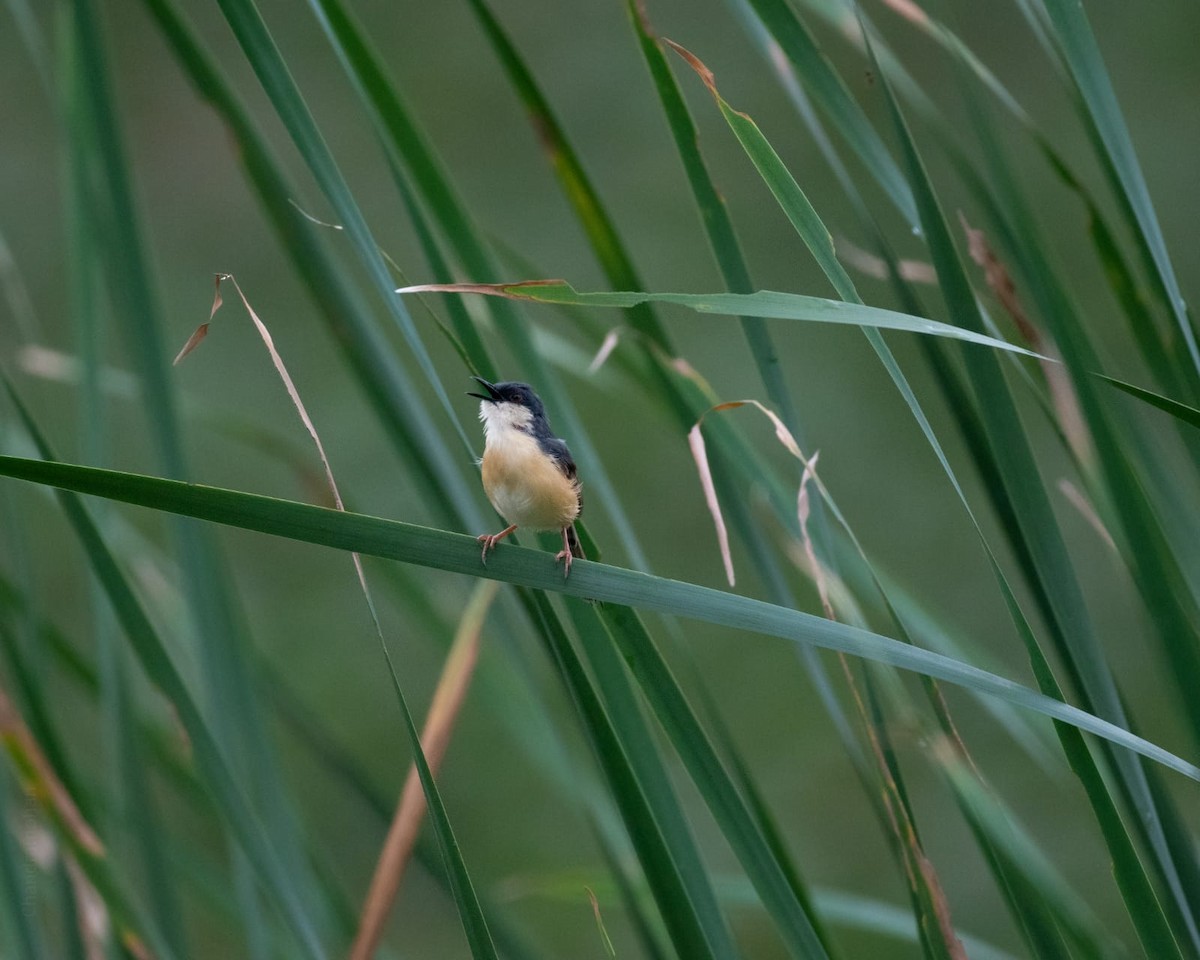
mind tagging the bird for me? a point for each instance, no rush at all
(529, 475)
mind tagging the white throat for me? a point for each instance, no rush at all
(502, 418)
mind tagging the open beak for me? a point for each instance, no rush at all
(492, 396)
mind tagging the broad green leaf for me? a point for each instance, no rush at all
(765, 303)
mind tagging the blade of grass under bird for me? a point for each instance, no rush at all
(444, 550)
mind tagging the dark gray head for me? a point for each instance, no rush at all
(511, 405)
(511, 391)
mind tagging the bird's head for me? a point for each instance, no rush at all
(508, 405)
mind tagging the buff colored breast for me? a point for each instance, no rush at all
(525, 486)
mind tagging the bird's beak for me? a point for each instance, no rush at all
(492, 395)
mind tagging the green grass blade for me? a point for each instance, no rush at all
(647, 766)
(397, 403)
(1180, 411)
(479, 937)
(1078, 44)
(229, 688)
(771, 304)
(21, 935)
(607, 244)
(714, 214)
(827, 88)
(157, 664)
(127, 776)
(673, 879)
(444, 550)
(1021, 476)
(268, 65)
(741, 830)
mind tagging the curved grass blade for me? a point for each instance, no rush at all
(459, 553)
(714, 214)
(771, 304)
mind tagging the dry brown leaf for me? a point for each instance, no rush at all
(700, 455)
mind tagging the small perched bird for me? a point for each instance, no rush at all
(528, 472)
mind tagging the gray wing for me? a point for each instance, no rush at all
(558, 451)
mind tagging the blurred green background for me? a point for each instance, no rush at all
(522, 838)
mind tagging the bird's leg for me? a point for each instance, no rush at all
(565, 554)
(489, 540)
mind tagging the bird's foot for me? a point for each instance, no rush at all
(565, 557)
(489, 540)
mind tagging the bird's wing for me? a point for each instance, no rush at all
(558, 451)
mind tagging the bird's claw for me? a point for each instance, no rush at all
(565, 557)
(489, 543)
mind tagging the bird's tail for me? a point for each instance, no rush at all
(574, 544)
